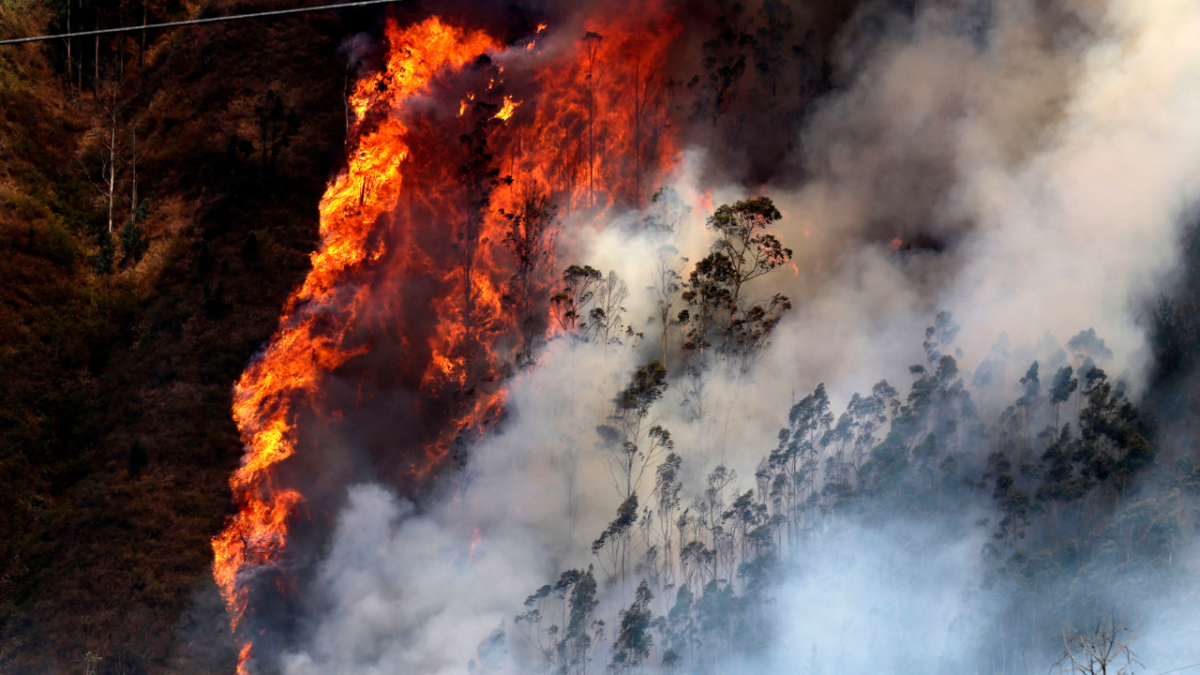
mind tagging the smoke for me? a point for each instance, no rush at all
(1023, 165)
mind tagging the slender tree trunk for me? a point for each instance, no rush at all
(145, 17)
(70, 75)
(112, 171)
(133, 197)
(639, 93)
(79, 70)
(96, 61)
(665, 318)
(346, 101)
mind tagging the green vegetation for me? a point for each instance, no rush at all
(1081, 506)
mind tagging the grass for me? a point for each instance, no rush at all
(116, 441)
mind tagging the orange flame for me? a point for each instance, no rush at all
(243, 657)
(507, 111)
(601, 112)
(312, 339)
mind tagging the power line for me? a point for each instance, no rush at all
(193, 22)
(1194, 665)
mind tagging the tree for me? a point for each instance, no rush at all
(549, 604)
(111, 103)
(1105, 651)
(577, 641)
(578, 290)
(750, 251)
(615, 538)
(939, 336)
(648, 121)
(633, 640)
(664, 220)
(742, 253)
(479, 177)
(491, 654)
(724, 64)
(631, 446)
(1061, 388)
(276, 125)
(530, 240)
(591, 41)
(794, 460)
(668, 484)
(133, 241)
(605, 318)
(770, 62)
(351, 48)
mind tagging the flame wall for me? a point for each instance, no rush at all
(406, 329)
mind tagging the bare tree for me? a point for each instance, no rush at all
(1105, 651)
(605, 319)
(111, 104)
(135, 158)
(669, 211)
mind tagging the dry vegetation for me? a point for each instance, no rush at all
(115, 435)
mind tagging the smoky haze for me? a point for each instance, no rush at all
(1023, 166)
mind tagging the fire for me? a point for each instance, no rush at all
(243, 657)
(312, 337)
(895, 244)
(507, 111)
(598, 135)
(475, 538)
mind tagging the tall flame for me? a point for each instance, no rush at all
(597, 135)
(311, 338)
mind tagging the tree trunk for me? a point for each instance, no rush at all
(142, 51)
(112, 171)
(133, 197)
(96, 61)
(70, 76)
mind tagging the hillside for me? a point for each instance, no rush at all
(590, 356)
(116, 441)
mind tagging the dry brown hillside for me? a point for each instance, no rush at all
(118, 353)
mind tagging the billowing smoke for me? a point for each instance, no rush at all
(1021, 166)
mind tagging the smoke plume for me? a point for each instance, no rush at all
(1021, 166)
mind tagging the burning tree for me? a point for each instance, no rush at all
(530, 238)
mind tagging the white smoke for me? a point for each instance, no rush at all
(1058, 153)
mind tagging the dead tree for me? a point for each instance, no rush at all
(110, 104)
(1104, 651)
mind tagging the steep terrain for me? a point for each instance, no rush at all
(116, 441)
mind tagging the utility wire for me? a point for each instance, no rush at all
(193, 22)
(1194, 665)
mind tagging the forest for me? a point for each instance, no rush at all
(1082, 497)
(717, 336)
